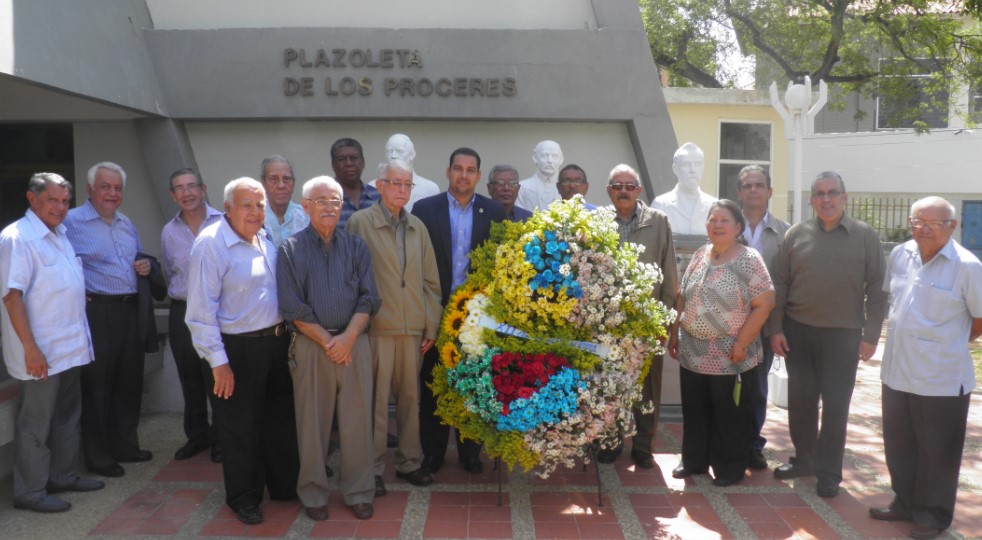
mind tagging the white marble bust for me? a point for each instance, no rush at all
(687, 206)
(540, 189)
(400, 147)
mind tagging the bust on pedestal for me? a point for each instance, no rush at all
(687, 206)
(540, 189)
(399, 146)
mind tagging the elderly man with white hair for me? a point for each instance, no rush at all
(540, 189)
(935, 287)
(407, 324)
(235, 323)
(400, 147)
(327, 291)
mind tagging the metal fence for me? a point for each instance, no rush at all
(888, 215)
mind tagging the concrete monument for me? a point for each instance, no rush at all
(686, 205)
(399, 146)
(540, 189)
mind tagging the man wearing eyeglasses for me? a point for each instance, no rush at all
(406, 326)
(928, 376)
(828, 314)
(348, 162)
(284, 217)
(640, 224)
(503, 186)
(188, 192)
(401, 147)
(764, 233)
(572, 182)
(326, 289)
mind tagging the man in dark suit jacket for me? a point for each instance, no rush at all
(458, 221)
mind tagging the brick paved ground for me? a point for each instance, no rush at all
(169, 499)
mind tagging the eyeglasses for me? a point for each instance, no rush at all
(934, 225)
(187, 188)
(628, 187)
(509, 183)
(397, 185)
(326, 203)
(830, 194)
(570, 182)
(347, 159)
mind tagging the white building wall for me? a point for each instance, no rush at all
(228, 150)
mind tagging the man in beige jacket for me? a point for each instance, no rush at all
(406, 326)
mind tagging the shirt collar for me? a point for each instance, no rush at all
(88, 212)
(40, 229)
(230, 237)
(456, 205)
(209, 212)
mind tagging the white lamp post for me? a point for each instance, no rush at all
(799, 121)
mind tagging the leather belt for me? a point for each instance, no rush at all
(275, 330)
(111, 298)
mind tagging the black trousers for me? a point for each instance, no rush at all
(716, 431)
(192, 372)
(433, 435)
(923, 438)
(758, 401)
(112, 385)
(257, 424)
(821, 365)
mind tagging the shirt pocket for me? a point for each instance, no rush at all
(941, 304)
(52, 276)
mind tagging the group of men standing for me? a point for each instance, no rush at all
(280, 312)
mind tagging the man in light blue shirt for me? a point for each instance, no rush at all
(284, 218)
(107, 243)
(43, 347)
(935, 287)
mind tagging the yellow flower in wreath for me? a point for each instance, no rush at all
(452, 322)
(449, 355)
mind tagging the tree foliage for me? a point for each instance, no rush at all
(870, 46)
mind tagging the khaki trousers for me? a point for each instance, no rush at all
(320, 386)
(396, 365)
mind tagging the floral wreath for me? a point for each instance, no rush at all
(545, 347)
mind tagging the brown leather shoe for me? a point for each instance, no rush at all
(885, 514)
(316, 513)
(923, 532)
(362, 510)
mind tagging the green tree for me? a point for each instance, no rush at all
(875, 47)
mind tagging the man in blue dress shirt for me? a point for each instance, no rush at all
(112, 387)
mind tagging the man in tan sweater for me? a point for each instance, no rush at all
(406, 326)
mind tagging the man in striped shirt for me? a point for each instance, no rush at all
(112, 387)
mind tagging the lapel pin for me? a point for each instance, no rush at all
(480, 210)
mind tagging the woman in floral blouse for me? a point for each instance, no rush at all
(726, 295)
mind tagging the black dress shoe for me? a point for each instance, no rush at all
(250, 515)
(923, 532)
(608, 456)
(432, 464)
(826, 491)
(473, 465)
(419, 477)
(722, 481)
(380, 490)
(190, 448)
(111, 471)
(138, 457)
(391, 441)
(81, 485)
(885, 514)
(217, 453)
(681, 472)
(757, 461)
(45, 505)
(642, 459)
(792, 470)
(362, 510)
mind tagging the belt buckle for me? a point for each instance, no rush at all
(279, 330)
